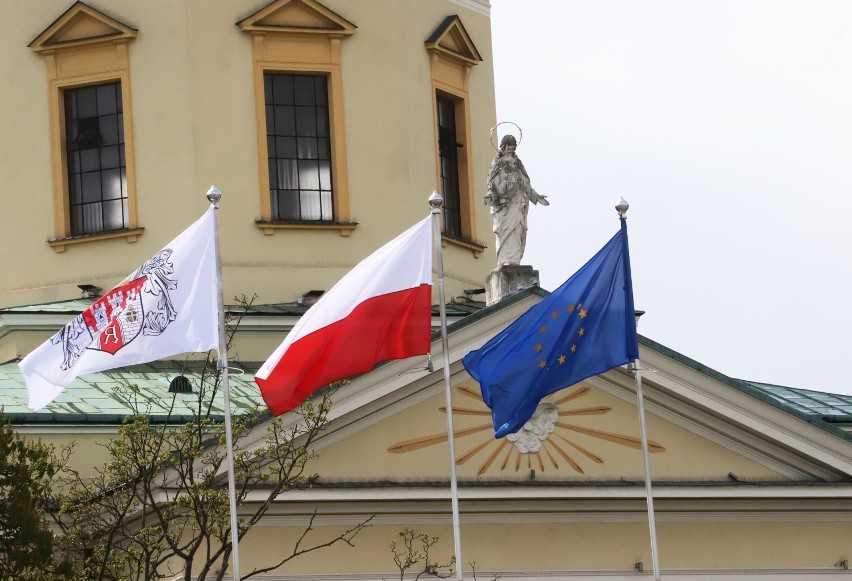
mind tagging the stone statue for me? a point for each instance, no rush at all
(509, 195)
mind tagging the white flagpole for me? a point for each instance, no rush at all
(436, 201)
(621, 207)
(214, 195)
(655, 559)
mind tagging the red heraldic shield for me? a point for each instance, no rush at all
(116, 318)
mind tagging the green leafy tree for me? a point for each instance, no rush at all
(28, 472)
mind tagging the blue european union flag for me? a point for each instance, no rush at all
(581, 329)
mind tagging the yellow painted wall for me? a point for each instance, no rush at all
(88, 452)
(20, 343)
(514, 546)
(194, 124)
(686, 455)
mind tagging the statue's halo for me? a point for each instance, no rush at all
(494, 130)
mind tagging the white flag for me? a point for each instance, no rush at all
(166, 307)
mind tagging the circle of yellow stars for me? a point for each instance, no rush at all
(554, 315)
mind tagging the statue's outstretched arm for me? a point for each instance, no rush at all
(537, 198)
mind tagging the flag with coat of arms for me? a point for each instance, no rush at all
(166, 307)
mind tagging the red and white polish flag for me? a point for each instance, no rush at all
(166, 307)
(381, 310)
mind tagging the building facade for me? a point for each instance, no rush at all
(327, 126)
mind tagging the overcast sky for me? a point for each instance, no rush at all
(727, 125)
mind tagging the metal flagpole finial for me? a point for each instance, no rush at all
(214, 195)
(436, 201)
(621, 207)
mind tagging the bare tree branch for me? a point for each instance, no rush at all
(161, 496)
(346, 537)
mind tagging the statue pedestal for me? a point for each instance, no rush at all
(508, 279)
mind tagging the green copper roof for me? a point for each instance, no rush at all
(808, 401)
(98, 397)
(790, 401)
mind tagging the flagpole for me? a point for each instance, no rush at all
(655, 559)
(214, 195)
(630, 313)
(436, 201)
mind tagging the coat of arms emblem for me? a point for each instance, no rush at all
(141, 306)
(116, 318)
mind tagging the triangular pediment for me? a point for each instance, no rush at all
(589, 434)
(81, 24)
(703, 428)
(297, 16)
(451, 39)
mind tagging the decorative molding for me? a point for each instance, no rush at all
(269, 228)
(303, 16)
(743, 409)
(450, 39)
(559, 492)
(130, 234)
(714, 429)
(479, 6)
(81, 24)
(539, 517)
(474, 247)
(324, 264)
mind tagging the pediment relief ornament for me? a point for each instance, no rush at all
(297, 16)
(82, 24)
(535, 431)
(546, 442)
(451, 39)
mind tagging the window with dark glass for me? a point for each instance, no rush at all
(94, 145)
(448, 152)
(299, 146)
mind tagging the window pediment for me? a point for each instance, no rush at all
(296, 48)
(86, 54)
(306, 16)
(81, 24)
(452, 40)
